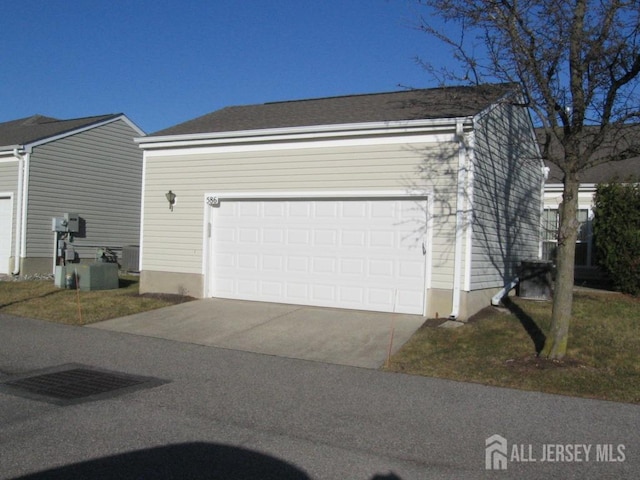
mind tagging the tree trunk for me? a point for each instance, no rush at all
(555, 346)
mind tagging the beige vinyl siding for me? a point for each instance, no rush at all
(173, 240)
(96, 174)
(506, 196)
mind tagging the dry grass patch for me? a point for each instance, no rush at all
(498, 348)
(41, 299)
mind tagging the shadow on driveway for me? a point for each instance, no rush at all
(194, 461)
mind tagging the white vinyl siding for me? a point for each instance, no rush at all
(173, 241)
(506, 196)
(96, 174)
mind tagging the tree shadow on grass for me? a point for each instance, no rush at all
(29, 298)
(537, 336)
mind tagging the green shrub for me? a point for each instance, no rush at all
(616, 230)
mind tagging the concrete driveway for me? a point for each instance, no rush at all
(344, 337)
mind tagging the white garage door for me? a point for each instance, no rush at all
(5, 234)
(360, 254)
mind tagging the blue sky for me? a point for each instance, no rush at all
(163, 62)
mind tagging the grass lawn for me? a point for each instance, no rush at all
(41, 299)
(497, 348)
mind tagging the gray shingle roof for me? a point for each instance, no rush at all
(38, 127)
(446, 102)
(619, 170)
(623, 137)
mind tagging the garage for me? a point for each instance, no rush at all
(5, 233)
(393, 201)
(366, 254)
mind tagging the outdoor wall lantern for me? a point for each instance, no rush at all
(171, 197)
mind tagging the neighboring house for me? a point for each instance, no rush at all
(48, 167)
(420, 201)
(585, 263)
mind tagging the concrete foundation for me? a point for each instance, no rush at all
(439, 301)
(187, 284)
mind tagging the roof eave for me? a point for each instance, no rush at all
(4, 149)
(28, 145)
(301, 133)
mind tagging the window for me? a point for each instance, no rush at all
(584, 247)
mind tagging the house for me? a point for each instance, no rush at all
(419, 201)
(585, 263)
(87, 167)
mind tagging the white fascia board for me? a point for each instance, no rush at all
(300, 133)
(442, 137)
(10, 149)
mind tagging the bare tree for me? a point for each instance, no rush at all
(578, 62)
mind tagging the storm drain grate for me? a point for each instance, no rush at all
(74, 384)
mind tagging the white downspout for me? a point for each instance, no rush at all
(460, 218)
(545, 176)
(17, 249)
(25, 202)
(497, 298)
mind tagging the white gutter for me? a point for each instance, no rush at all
(298, 133)
(460, 220)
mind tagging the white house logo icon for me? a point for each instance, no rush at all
(495, 453)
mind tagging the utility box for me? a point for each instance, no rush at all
(58, 224)
(69, 223)
(73, 222)
(97, 276)
(131, 258)
(92, 276)
(535, 280)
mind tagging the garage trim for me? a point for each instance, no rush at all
(7, 232)
(212, 199)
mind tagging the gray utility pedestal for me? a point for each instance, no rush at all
(92, 276)
(535, 280)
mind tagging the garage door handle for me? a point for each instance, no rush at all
(424, 249)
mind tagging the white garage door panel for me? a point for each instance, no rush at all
(360, 254)
(5, 233)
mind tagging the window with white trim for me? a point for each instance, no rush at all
(584, 243)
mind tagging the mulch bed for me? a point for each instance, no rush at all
(533, 362)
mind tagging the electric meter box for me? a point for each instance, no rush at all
(58, 224)
(70, 223)
(73, 222)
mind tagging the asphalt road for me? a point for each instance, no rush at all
(238, 415)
